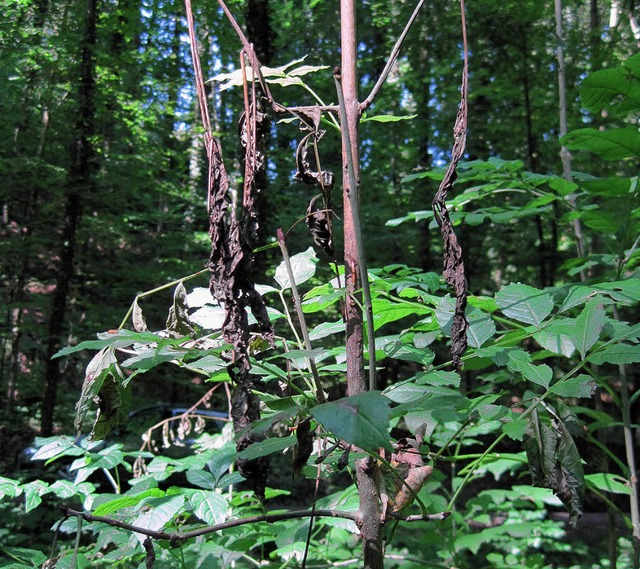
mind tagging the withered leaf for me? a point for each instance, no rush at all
(320, 226)
(308, 173)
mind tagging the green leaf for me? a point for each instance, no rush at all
(481, 328)
(504, 462)
(152, 356)
(24, 557)
(275, 75)
(386, 311)
(362, 420)
(120, 339)
(472, 541)
(618, 354)
(612, 144)
(580, 386)
(588, 326)
(155, 513)
(540, 375)
(406, 392)
(9, 487)
(633, 64)
(555, 341)
(515, 429)
(518, 359)
(202, 479)
(33, 492)
(388, 118)
(64, 489)
(54, 447)
(625, 292)
(210, 507)
(325, 329)
(99, 368)
(608, 482)
(610, 187)
(266, 447)
(614, 89)
(221, 461)
(562, 186)
(111, 506)
(320, 298)
(409, 353)
(438, 378)
(524, 303)
(601, 221)
(303, 267)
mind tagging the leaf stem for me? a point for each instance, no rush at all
(297, 301)
(158, 289)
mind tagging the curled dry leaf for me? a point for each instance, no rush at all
(139, 322)
(403, 476)
(320, 227)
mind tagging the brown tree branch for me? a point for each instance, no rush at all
(392, 59)
(297, 302)
(177, 536)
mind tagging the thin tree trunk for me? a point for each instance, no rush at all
(564, 151)
(370, 526)
(353, 312)
(79, 181)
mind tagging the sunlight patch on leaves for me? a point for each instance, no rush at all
(303, 266)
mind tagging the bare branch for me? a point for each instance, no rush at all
(422, 517)
(392, 59)
(177, 536)
(297, 301)
(255, 63)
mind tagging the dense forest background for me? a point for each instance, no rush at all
(103, 171)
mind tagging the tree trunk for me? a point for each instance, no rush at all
(79, 181)
(353, 312)
(370, 525)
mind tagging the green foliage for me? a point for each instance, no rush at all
(538, 352)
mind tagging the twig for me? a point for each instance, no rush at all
(210, 143)
(357, 228)
(255, 63)
(183, 536)
(157, 289)
(190, 412)
(56, 534)
(422, 518)
(565, 155)
(625, 408)
(76, 545)
(297, 301)
(392, 59)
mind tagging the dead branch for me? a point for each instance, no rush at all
(391, 59)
